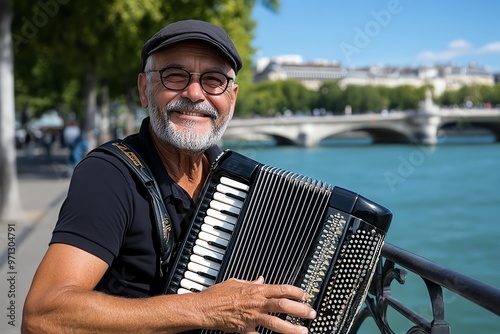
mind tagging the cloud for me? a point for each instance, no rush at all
(458, 48)
(459, 44)
(490, 48)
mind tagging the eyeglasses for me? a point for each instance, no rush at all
(177, 79)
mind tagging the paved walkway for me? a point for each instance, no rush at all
(43, 186)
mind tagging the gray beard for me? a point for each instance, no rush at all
(187, 140)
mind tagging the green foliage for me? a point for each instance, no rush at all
(57, 42)
(330, 97)
(494, 99)
(271, 98)
(405, 97)
(473, 93)
(450, 97)
(362, 98)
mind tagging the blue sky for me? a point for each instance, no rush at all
(382, 32)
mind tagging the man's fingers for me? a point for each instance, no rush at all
(291, 307)
(285, 291)
(259, 280)
(279, 325)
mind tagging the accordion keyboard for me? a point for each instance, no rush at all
(215, 232)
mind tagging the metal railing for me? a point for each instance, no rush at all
(435, 277)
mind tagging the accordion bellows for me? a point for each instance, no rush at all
(256, 220)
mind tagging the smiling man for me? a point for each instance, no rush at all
(101, 272)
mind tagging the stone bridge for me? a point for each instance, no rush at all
(419, 126)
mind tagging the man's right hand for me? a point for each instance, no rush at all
(241, 306)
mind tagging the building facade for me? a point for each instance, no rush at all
(314, 74)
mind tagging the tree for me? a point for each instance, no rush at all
(270, 98)
(99, 43)
(450, 98)
(406, 97)
(10, 205)
(329, 97)
(68, 54)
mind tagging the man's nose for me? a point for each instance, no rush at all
(193, 91)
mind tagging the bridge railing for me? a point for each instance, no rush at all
(393, 266)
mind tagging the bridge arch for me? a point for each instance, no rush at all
(492, 127)
(387, 135)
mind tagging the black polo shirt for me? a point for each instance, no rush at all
(107, 213)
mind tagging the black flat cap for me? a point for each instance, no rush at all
(190, 30)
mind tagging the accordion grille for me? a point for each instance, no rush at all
(285, 212)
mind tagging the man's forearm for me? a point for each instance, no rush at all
(95, 312)
(230, 306)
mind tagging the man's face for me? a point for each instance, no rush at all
(191, 120)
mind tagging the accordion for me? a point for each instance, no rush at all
(256, 220)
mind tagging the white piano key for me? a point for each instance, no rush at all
(220, 216)
(205, 262)
(218, 223)
(210, 237)
(195, 267)
(205, 251)
(217, 205)
(199, 279)
(188, 284)
(218, 233)
(204, 244)
(228, 190)
(234, 184)
(228, 200)
(181, 291)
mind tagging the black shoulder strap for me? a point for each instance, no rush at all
(134, 162)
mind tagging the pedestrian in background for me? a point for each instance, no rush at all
(78, 150)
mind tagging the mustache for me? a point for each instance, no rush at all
(185, 105)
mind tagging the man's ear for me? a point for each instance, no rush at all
(142, 86)
(233, 96)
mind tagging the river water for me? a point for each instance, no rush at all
(446, 205)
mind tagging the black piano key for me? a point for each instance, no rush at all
(235, 196)
(213, 259)
(220, 228)
(211, 243)
(235, 215)
(206, 275)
